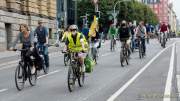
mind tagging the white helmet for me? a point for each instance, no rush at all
(74, 27)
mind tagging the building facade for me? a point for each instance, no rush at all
(160, 8)
(15, 12)
(66, 12)
(164, 11)
(172, 18)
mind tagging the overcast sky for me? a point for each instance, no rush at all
(176, 4)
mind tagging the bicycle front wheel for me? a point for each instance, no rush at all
(140, 51)
(19, 77)
(32, 78)
(66, 59)
(81, 79)
(71, 79)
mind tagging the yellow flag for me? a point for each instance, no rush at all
(93, 27)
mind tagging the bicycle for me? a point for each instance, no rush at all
(66, 59)
(140, 47)
(41, 53)
(75, 72)
(163, 40)
(95, 51)
(124, 55)
(113, 43)
(23, 71)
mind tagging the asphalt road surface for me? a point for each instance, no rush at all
(149, 79)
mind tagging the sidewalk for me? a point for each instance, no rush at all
(9, 54)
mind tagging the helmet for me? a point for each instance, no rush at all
(124, 22)
(73, 27)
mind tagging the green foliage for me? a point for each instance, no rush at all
(129, 11)
(136, 11)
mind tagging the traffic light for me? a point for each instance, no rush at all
(98, 15)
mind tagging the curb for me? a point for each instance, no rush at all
(52, 54)
(177, 73)
(51, 49)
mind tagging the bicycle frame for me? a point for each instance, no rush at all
(75, 63)
(22, 62)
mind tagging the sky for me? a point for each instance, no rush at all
(176, 4)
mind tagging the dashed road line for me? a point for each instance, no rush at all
(3, 90)
(56, 71)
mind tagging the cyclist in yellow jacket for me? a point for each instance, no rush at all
(76, 42)
(66, 33)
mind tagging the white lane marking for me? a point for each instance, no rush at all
(167, 92)
(8, 66)
(3, 90)
(117, 93)
(106, 54)
(8, 63)
(178, 84)
(56, 71)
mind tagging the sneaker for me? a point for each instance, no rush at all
(33, 70)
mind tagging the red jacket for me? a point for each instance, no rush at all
(163, 28)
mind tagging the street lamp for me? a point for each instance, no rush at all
(114, 15)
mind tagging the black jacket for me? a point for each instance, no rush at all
(124, 33)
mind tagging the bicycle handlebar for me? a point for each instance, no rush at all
(20, 50)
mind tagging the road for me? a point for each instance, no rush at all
(149, 79)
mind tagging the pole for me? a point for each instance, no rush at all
(114, 15)
(76, 12)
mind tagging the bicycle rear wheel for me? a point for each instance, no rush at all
(94, 54)
(71, 79)
(164, 43)
(140, 51)
(19, 77)
(127, 55)
(32, 77)
(122, 58)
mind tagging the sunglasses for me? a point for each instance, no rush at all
(73, 30)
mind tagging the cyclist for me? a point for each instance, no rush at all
(112, 32)
(132, 28)
(124, 35)
(25, 39)
(148, 31)
(94, 38)
(141, 33)
(164, 29)
(76, 42)
(85, 31)
(42, 36)
(66, 33)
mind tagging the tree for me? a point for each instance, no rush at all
(136, 11)
(129, 11)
